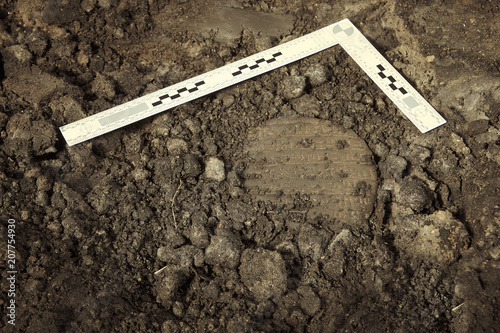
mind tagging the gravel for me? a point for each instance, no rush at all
(214, 169)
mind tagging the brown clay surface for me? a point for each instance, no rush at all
(304, 156)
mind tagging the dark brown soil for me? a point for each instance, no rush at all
(95, 221)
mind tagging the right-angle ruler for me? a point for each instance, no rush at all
(409, 101)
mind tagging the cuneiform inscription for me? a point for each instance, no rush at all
(303, 155)
(324, 142)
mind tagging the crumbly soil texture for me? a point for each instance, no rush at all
(150, 228)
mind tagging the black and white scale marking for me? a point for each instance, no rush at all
(178, 94)
(257, 62)
(391, 79)
(409, 101)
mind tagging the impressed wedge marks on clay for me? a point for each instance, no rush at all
(331, 166)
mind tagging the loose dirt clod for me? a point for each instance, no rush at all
(438, 237)
(263, 273)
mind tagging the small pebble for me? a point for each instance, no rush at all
(193, 125)
(105, 4)
(307, 106)
(477, 127)
(20, 53)
(214, 169)
(88, 5)
(335, 266)
(317, 74)
(344, 238)
(458, 145)
(140, 174)
(348, 122)
(292, 86)
(227, 100)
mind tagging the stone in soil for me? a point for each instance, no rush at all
(214, 169)
(292, 86)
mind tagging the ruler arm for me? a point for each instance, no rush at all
(392, 83)
(343, 32)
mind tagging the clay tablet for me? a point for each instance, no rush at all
(330, 165)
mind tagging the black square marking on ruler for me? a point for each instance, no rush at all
(256, 64)
(391, 79)
(179, 91)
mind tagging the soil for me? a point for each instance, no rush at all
(95, 221)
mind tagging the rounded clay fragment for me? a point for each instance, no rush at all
(330, 165)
